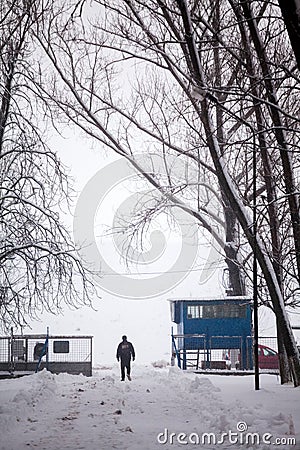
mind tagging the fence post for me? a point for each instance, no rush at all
(47, 349)
(176, 351)
(91, 359)
(12, 363)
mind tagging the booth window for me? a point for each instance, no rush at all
(61, 347)
(211, 311)
(194, 311)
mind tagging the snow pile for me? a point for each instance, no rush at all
(160, 364)
(161, 407)
(23, 395)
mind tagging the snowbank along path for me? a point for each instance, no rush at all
(159, 408)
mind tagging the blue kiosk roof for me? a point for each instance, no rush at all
(242, 298)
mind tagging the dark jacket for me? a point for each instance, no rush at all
(125, 351)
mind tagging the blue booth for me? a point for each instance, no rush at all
(212, 333)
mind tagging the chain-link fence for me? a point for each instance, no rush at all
(269, 341)
(29, 353)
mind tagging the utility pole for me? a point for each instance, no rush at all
(255, 296)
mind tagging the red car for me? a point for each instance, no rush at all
(267, 358)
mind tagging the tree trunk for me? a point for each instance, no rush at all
(284, 368)
(269, 183)
(236, 282)
(290, 10)
(236, 278)
(288, 176)
(256, 244)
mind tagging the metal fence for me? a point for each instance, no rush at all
(217, 352)
(228, 351)
(202, 352)
(29, 353)
(269, 341)
(189, 350)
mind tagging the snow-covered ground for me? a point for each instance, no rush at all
(60, 412)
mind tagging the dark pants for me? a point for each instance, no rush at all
(125, 364)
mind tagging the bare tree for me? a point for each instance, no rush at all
(226, 184)
(39, 267)
(198, 101)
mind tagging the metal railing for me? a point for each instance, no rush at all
(198, 351)
(29, 353)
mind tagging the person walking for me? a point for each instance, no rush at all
(125, 351)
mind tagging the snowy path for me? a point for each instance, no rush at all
(64, 412)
